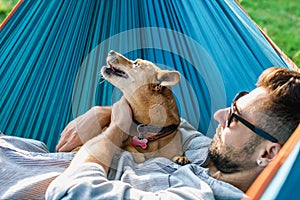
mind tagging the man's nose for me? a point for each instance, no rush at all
(221, 116)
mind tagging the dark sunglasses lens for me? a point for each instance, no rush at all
(230, 115)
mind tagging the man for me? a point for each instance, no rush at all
(250, 134)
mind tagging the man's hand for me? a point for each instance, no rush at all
(103, 147)
(69, 138)
(83, 128)
(121, 116)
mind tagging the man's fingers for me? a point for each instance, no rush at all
(63, 139)
(60, 144)
(122, 115)
(123, 106)
(67, 147)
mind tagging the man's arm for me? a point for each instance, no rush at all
(89, 182)
(103, 147)
(100, 149)
(83, 128)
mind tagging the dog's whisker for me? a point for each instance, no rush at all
(101, 80)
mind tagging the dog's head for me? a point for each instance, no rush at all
(145, 86)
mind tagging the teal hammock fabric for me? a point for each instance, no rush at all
(51, 53)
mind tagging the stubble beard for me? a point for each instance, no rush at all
(228, 159)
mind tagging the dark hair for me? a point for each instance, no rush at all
(282, 108)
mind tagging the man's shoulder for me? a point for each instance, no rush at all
(187, 131)
(194, 144)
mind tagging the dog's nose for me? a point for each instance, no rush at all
(112, 52)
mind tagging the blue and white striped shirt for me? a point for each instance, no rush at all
(27, 168)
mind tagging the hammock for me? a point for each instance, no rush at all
(51, 53)
(280, 179)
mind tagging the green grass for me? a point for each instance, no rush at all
(280, 19)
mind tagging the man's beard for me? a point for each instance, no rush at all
(228, 159)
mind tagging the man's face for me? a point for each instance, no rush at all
(233, 148)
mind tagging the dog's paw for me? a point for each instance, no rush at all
(181, 160)
(138, 157)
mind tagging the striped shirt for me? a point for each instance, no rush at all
(27, 168)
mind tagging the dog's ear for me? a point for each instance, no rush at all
(168, 78)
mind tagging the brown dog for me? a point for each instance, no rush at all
(146, 87)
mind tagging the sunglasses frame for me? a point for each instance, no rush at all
(249, 125)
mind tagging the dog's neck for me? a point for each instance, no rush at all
(157, 110)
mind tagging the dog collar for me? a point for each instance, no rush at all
(151, 133)
(146, 131)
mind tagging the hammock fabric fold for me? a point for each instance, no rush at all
(51, 53)
(276, 174)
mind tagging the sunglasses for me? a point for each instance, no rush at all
(253, 128)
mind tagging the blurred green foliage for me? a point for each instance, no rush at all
(5, 8)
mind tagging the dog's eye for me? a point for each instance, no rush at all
(136, 64)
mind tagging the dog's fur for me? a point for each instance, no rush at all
(147, 89)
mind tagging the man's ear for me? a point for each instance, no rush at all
(268, 154)
(168, 78)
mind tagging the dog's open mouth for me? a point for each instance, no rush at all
(111, 70)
